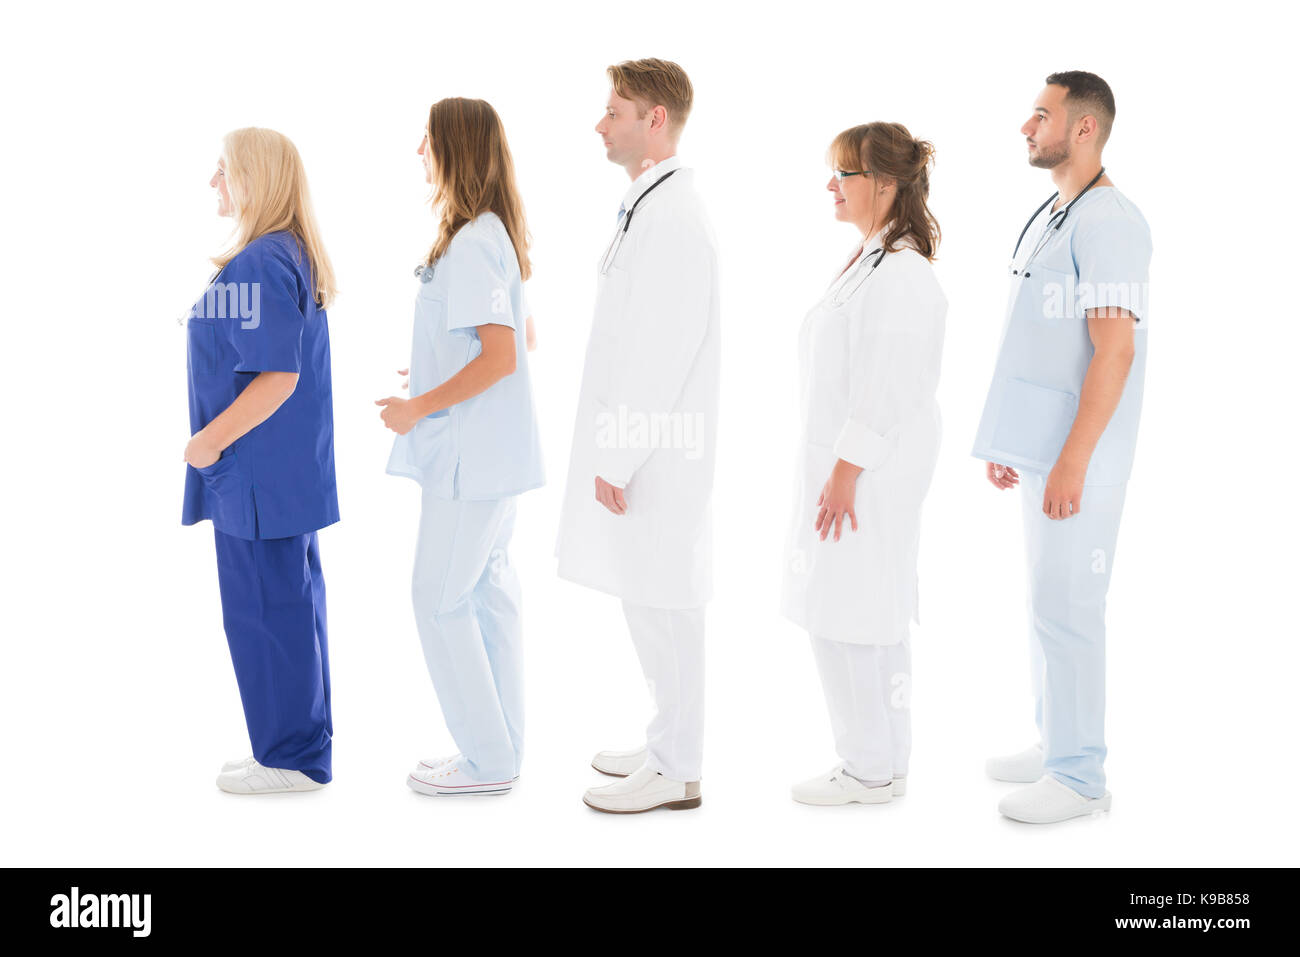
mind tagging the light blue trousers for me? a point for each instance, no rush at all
(467, 611)
(1070, 562)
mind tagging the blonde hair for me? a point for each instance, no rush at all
(649, 83)
(268, 189)
(473, 173)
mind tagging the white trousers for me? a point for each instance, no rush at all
(467, 610)
(868, 693)
(670, 645)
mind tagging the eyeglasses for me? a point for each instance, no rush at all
(842, 174)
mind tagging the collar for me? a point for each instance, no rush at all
(648, 177)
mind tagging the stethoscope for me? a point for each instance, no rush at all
(838, 298)
(1053, 224)
(616, 243)
(424, 273)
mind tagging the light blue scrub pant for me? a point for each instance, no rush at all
(467, 611)
(1070, 562)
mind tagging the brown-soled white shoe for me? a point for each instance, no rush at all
(619, 764)
(643, 790)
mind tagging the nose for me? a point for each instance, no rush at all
(833, 185)
(1028, 128)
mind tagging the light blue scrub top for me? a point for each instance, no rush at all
(1099, 257)
(488, 446)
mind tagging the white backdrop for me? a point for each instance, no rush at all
(119, 701)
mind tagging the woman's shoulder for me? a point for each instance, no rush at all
(279, 248)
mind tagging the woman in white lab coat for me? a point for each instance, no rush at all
(869, 355)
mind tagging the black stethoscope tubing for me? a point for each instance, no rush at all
(1057, 225)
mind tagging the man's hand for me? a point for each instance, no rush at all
(1064, 492)
(611, 496)
(1002, 476)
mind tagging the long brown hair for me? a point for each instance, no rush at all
(888, 150)
(473, 173)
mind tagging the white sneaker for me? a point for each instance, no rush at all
(838, 787)
(643, 790)
(450, 778)
(1023, 768)
(619, 764)
(433, 764)
(236, 765)
(253, 778)
(1048, 801)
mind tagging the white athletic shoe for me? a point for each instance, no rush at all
(643, 790)
(253, 778)
(236, 765)
(450, 778)
(1023, 768)
(619, 764)
(433, 764)
(838, 787)
(1048, 801)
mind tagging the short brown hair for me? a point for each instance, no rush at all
(651, 82)
(1087, 94)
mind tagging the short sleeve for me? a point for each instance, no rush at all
(1112, 258)
(267, 330)
(478, 284)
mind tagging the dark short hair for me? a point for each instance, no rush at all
(1087, 94)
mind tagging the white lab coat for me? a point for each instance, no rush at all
(647, 409)
(868, 369)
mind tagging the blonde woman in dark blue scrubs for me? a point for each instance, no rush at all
(260, 460)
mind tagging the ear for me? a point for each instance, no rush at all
(658, 118)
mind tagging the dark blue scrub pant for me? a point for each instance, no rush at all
(273, 603)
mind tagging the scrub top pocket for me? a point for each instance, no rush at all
(202, 338)
(1033, 422)
(1048, 295)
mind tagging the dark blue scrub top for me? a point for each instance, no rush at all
(259, 314)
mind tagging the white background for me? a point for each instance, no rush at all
(119, 701)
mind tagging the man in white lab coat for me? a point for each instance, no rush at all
(636, 517)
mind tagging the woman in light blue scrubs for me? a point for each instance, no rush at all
(260, 460)
(468, 435)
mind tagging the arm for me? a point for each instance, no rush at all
(257, 403)
(667, 317)
(530, 335)
(269, 349)
(478, 304)
(494, 363)
(1112, 259)
(1111, 331)
(895, 345)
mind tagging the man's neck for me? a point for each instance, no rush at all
(648, 161)
(1072, 176)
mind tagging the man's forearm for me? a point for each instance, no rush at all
(1103, 385)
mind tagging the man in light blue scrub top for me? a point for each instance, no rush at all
(1061, 420)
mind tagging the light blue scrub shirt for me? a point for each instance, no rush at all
(1099, 257)
(488, 446)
